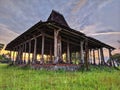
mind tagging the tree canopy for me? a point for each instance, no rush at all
(115, 58)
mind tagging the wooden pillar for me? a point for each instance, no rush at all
(50, 51)
(14, 55)
(29, 43)
(25, 51)
(42, 50)
(55, 43)
(75, 57)
(18, 55)
(70, 56)
(86, 54)
(110, 55)
(81, 52)
(35, 50)
(102, 56)
(59, 47)
(98, 56)
(90, 56)
(21, 53)
(68, 52)
(56, 32)
(94, 57)
(10, 55)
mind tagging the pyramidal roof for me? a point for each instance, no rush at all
(57, 17)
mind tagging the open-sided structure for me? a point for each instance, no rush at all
(55, 42)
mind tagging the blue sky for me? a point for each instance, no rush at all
(96, 18)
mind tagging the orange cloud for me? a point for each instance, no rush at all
(78, 5)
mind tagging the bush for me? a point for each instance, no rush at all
(3, 59)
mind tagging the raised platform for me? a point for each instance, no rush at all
(66, 67)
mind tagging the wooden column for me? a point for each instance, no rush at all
(90, 56)
(42, 50)
(25, 53)
(17, 48)
(94, 57)
(59, 47)
(10, 55)
(68, 52)
(55, 43)
(81, 52)
(29, 43)
(98, 56)
(56, 32)
(18, 55)
(14, 55)
(50, 51)
(35, 50)
(86, 54)
(21, 53)
(110, 55)
(70, 56)
(102, 56)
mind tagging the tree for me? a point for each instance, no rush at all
(115, 58)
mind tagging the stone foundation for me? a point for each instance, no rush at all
(66, 67)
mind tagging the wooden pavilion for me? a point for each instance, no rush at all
(55, 39)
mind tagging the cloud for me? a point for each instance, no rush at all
(6, 35)
(99, 29)
(85, 16)
(104, 3)
(106, 33)
(90, 29)
(78, 5)
(21, 15)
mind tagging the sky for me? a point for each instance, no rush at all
(96, 18)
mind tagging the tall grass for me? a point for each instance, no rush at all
(98, 78)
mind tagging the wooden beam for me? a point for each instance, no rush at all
(64, 40)
(68, 31)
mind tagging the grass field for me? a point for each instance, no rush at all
(15, 78)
